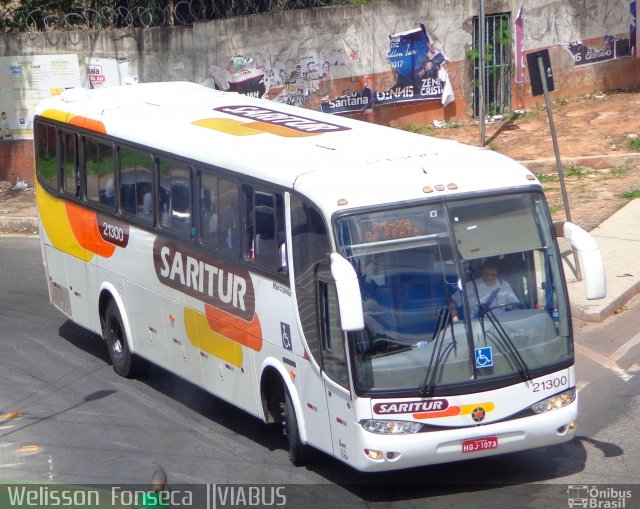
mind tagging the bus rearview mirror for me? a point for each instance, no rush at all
(591, 262)
(348, 290)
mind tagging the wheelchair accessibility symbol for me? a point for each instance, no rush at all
(484, 357)
(285, 332)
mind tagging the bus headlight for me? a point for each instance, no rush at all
(554, 402)
(384, 427)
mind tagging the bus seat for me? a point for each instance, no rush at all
(265, 247)
(418, 299)
(129, 198)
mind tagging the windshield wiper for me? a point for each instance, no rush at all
(444, 318)
(506, 342)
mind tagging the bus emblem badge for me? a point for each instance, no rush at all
(478, 414)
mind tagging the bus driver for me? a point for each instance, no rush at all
(493, 291)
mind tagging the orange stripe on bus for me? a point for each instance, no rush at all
(85, 228)
(56, 224)
(246, 333)
(279, 130)
(88, 123)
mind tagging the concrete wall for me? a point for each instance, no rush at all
(355, 39)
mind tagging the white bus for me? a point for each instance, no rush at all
(312, 270)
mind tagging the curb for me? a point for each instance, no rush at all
(597, 162)
(601, 313)
(19, 224)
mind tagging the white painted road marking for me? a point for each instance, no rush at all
(607, 362)
(620, 352)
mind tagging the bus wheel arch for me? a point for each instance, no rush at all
(117, 335)
(281, 405)
(272, 389)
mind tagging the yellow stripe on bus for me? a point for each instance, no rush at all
(59, 115)
(227, 125)
(467, 409)
(201, 336)
(55, 221)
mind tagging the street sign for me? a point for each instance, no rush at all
(535, 73)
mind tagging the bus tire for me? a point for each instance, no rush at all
(116, 338)
(300, 454)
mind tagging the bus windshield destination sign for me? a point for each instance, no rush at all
(390, 229)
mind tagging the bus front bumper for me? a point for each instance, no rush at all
(377, 452)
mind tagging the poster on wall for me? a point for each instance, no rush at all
(418, 67)
(26, 80)
(352, 103)
(108, 72)
(633, 28)
(520, 59)
(242, 74)
(609, 49)
(419, 72)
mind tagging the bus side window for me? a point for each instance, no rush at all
(334, 355)
(69, 164)
(264, 228)
(228, 215)
(174, 198)
(136, 198)
(218, 223)
(208, 190)
(310, 247)
(99, 172)
(45, 142)
(281, 235)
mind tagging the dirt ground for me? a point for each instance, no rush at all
(591, 125)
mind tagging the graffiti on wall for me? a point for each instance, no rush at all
(306, 81)
(417, 72)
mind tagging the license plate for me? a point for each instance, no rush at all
(479, 444)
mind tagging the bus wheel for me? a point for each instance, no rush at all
(299, 453)
(116, 339)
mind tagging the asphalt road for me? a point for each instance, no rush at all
(68, 418)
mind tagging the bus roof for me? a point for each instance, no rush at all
(325, 157)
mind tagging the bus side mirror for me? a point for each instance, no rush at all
(591, 262)
(349, 297)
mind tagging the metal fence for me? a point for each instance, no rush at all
(151, 14)
(497, 64)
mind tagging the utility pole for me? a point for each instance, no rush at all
(541, 76)
(481, 49)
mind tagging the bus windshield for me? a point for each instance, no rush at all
(456, 293)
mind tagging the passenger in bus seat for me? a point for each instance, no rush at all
(147, 203)
(110, 192)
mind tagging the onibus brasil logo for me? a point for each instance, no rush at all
(591, 496)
